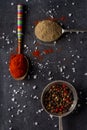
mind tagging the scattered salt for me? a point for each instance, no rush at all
(85, 74)
(50, 78)
(34, 87)
(35, 97)
(35, 123)
(13, 99)
(73, 69)
(12, 3)
(35, 76)
(55, 126)
(70, 14)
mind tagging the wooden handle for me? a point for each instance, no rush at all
(19, 25)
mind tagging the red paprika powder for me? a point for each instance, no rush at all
(18, 65)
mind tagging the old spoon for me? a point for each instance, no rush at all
(47, 89)
(19, 35)
(48, 31)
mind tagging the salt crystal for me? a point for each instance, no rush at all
(49, 73)
(9, 121)
(10, 128)
(18, 105)
(73, 21)
(36, 123)
(34, 87)
(67, 77)
(86, 98)
(51, 116)
(35, 97)
(65, 4)
(12, 116)
(77, 32)
(55, 42)
(85, 74)
(80, 92)
(3, 37)
(78, 57)
(81, 42)
(70, 14)
(6, 62)
(73, 81)
(69, 40)
(12, 3)
(13, 99)
(14, 31)
(50, 11)
(57, 6)
(22, 83)
(50, 78)
(34, 41)
(73, 3)
(73, 69)
(35, 77)
(25, 46)
(9, 109)
(64, 67)
(61, 69)
(24, 106)
(55, 126)
(79, 105)
(10, 85)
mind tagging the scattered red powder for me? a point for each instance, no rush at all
(62, 18)
(36, 53)
(47, 51)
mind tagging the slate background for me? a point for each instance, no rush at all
(69, 44)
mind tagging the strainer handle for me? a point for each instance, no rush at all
(60, 123)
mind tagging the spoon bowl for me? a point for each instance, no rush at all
(49, 31)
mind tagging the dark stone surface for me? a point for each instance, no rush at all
(20, 106)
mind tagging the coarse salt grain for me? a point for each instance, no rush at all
(73, 3)
(35, 123)
(12, 3)
(35, 97)
(35, 76)
(34, 87)
(10, 128)
(73, 69)
(70, 14)
(85, 74)
(50, 78)
(13, 99)
(55, 126)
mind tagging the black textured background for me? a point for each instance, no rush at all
(20, 107)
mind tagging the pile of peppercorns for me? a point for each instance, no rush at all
(58, 99)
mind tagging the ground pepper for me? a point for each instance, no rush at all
(18, 65)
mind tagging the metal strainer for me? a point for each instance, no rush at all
(75, 99)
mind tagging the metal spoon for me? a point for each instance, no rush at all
(72, 106)
(19, 35)
(48, 31)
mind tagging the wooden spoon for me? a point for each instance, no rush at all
(48, 31)
(19, 35)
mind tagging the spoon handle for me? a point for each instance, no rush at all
(19, 25)
(73, 30)
(60, 123)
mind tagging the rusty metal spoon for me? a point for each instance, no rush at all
(75, 99)
(48, 31)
